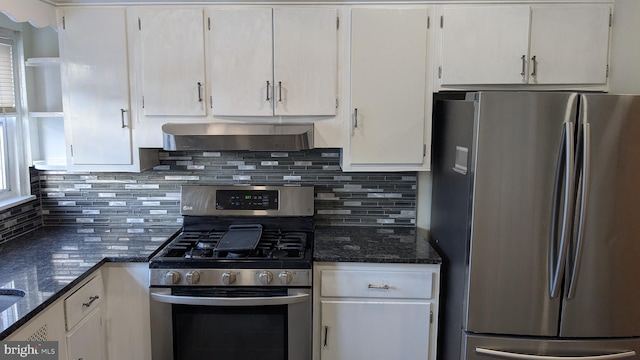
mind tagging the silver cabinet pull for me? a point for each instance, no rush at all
(268, 86)
(512, 355)
(326, 333)
(91, 300)
(122, 111)
(199, 92)
(535, 66)
(279, 91)
(355, 118)
(524, 60)
(381, 287)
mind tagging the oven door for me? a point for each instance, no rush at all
(231, 323)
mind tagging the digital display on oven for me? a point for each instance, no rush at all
(246, 200)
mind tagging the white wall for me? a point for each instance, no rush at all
(625, 48)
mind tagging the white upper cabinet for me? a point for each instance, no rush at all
(95, 82)
(266, 62)
(388, 86)
(305, 61)
(241, 61)
(484, 45)
(522, 44)
(569, 45)
(172, 57)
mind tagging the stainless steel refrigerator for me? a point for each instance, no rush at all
(536, 207)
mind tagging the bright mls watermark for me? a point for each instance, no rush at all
(31, 350)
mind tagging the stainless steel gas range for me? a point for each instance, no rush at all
(235, 281)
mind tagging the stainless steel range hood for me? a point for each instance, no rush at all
(254, 137)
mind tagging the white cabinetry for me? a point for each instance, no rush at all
(93, 49)
(172, 57)
(127, 310)
(524, 44)
(389, 103)
(86, 333)
(266, 62)
(48, 325)
(375, 311)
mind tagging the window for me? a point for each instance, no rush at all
(14, 183)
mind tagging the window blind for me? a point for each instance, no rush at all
(7, 89)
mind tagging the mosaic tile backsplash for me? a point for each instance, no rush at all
(24, 217)
(133, 201)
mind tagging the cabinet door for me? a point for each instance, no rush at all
(241, 61)
(484, 45)
(570, 44)
(388, 85)
(305, 43)
(172, 53)
(86, 341)
(364, 330)
(93, 49)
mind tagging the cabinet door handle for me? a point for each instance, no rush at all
(381, 287)
(524, 60)
(91, 300)
(122, 111)
(355, 118)
(279, 91)
(535, 66)
(326, 333)
(268, 86)
(199, 92)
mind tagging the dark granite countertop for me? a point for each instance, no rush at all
(49, 261)
(374, 245)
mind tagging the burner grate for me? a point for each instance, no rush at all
(273, 245)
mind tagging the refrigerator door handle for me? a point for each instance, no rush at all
(557, 259)
(583, 200)
(518, 356)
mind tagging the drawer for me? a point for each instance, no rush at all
(83, 301)
(377, 284)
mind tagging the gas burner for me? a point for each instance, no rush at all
(278, 254)
(195, 253)
(206, 245)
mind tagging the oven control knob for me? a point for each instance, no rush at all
(265, 277)
(285, 277)
(192, 277)
(228, 277)
(172, 277)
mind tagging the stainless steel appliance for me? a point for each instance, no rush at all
(536, 203)
(235, 282)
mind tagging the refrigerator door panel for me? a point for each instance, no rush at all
(604, 301)
(504, 348)
(450, 216)
(516, 156)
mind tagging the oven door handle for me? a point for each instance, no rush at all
(229, 301)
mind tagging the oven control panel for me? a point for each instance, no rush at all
(230, 277)
(246, 200)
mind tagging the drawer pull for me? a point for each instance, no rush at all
(381, 287)
(91, 300)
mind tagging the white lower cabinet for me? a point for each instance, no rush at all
(48, 325)
(104, 317)
(86, 331)
(75, 321)
(127, 310)
(375, 311)
(86, 341)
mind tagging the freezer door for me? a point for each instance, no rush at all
(505, 348)
(518, 141)
(604, 292)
